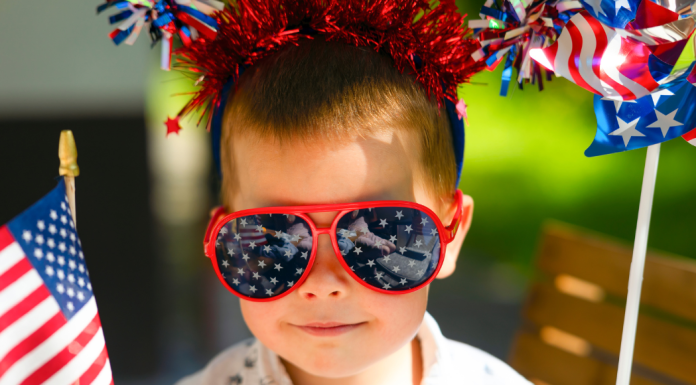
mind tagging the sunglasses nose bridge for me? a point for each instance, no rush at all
(323, 230)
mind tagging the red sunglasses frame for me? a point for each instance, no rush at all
(219, 219)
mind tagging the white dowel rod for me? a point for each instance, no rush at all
(635, 278)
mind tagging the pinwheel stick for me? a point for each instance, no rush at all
(67, 152)
(635, 278)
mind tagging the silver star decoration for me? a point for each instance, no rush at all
(60, 288)
(399, 214)
(396, 269)
(61, 260)
(243, 222)
(299, 271)
(63, 233)
(61, 247)
(256, 275)
(259, 228)
(277, 266)
(419, 243)
(424, 221)
(344, 252)
(72, 264)
(53, 215)
(383, 222)
(267, 249)
(230, 252)
(225, 264)
(411, 263)
(596, 6)
(49, 271)
(26, 235)
(288, 253)
(386, 258)
(273, 280)
(237, 237)
(290, 283)
(252, 245)
(223, 230)
(39, 239)
(379, 275)
(420, 272)
(403, 281)
(433, 231)
(51, 258)
(269, 292)
(38, 253)
(240, 270)
(386, 286)
(278, 234)
(64, 219)
(370, 262)
(235, 281)
(656, 95)
(296, 238)
(252, 289)
(626, 130)
(81, 282)
(70, 306)
(427, 254)
(262, 264)
(408, 229)
(80, 296)
(245, 256)
(402, 250)
(52, 229)
(41, 225)
(392, 238)
(352, 268)
(304, 255)
(378, 243)
(357, 250)
(664, 122)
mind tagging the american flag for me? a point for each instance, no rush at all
(596, 57)
(50, 332)
(665, 114)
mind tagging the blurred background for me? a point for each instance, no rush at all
(143, 199)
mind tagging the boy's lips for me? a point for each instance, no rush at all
(328, 329)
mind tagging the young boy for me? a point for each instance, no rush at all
(350, 130)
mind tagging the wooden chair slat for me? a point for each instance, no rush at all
(662, 346)
(538, 361)
(669, 283)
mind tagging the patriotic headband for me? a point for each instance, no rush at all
(220, 41)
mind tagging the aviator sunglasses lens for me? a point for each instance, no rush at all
(262, 256)
(391, 248)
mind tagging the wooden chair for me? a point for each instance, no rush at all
(573, 316)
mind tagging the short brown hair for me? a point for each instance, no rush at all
(331, 90)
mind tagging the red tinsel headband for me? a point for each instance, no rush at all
(215, 47)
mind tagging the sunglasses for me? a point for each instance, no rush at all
(392, 247)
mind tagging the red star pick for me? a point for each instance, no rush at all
(172, 125)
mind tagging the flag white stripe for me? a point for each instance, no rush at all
(104, 377)
(27, 324)
(18, 290)
(563, 54)
(52, 346)
(9, 256)
(71, 372)
(589, 45)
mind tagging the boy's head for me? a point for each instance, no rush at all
(325, 122)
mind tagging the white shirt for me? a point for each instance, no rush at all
(444, 362)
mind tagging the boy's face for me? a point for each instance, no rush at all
(331, 326)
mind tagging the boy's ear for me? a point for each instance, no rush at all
(453, 248)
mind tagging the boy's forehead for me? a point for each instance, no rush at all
(300, 172)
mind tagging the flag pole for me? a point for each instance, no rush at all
(635, 278)
(67, 152)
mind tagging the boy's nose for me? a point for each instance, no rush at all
(326, 279)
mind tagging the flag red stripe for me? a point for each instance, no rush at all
(22, 308)
(575, 55)
(32, 341)
(6, 237)
(90, 374)
(14, 273)
(64, 356)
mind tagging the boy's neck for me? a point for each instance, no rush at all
(405, 366)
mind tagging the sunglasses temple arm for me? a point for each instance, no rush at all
(216, 214)
(454, 225)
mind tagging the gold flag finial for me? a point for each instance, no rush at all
(67, 152)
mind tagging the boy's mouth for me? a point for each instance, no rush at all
(328, 329)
